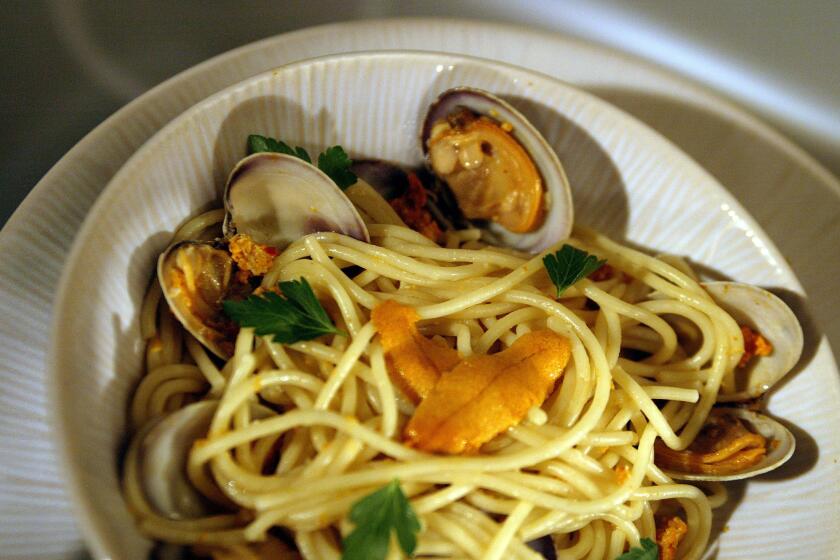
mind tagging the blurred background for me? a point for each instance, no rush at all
(70, 64)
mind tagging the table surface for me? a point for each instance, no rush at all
(74, 63)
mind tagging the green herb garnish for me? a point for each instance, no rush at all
(297, 316)
(568, 265)
(334, 161)
(257, 143)
(648, 551)
(336, 164)
(375, 516)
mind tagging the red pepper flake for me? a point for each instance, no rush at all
(411, 207)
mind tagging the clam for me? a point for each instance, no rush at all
(730, 428)
(769, 316)
(277, 199)
(196, 277)
(162, 460)
(500, 169)
(274, 199)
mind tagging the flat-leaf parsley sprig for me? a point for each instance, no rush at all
(570, 264)
(297, 316)
(648, 551)
(257, 144)
(376, 516)
(333, 161)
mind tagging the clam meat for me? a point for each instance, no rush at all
(735, 443)
(196, 277)
(500, 169)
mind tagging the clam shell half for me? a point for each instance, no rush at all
(277, 199)
(773, 319)
(162, 460)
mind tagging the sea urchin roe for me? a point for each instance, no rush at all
(488, 171)
(754, 345)
(487, 394)
(251, 256)
(669, 532)
(415, 361)
(724, 446)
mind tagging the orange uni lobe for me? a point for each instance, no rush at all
(485, 395)
(415, 362)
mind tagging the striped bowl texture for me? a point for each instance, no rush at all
(627, 181)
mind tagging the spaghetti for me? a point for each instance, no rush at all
(579, 468)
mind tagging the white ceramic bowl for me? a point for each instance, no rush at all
(627, 181)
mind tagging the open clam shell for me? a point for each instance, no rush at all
(277, 199)
(274, 199)
(773, 319)
(491, 176)
(162, 460)
(195, 278)
(780, 447)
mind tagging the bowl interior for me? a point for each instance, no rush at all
(627, 181)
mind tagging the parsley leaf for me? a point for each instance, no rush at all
(336, 164)
(257, 143)
(649, 551)
(298, 316)
(568, 265)
(334, 161)
(375, 516)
